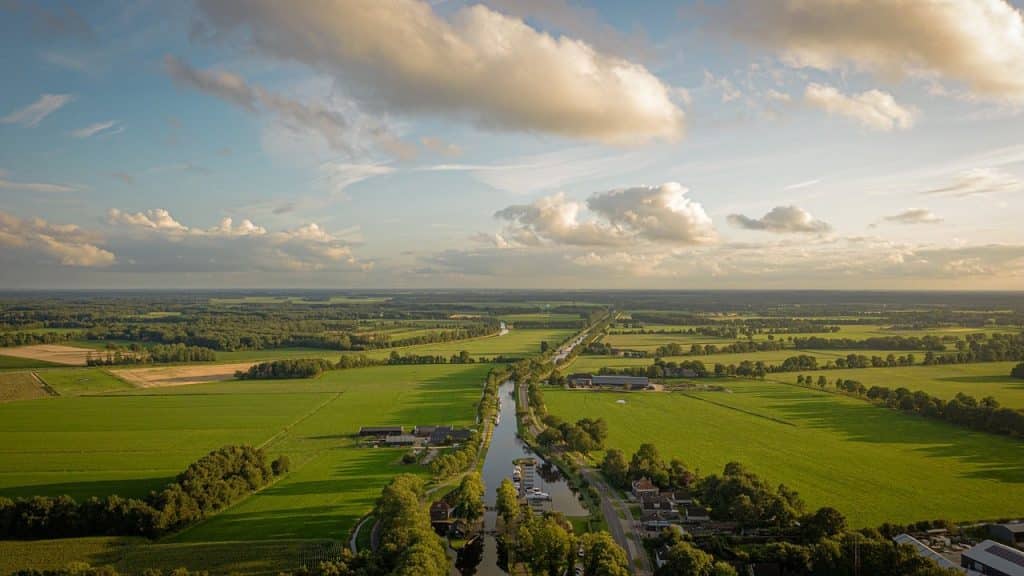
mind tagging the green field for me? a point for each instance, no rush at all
(135, 555)
(137, 440)
(14, 363)
(541, 317)
(593, 363)
(79, 381)
(872, 463)
(978, 380)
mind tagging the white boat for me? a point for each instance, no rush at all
(537, 494)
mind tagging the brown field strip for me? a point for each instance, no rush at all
(160, 377)
(55, 353)
(20, 386)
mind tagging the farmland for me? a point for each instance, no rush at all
(593, 363)
(873, 464)
(977, 380)
(132, 443)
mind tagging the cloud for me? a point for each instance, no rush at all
(155, 219)
(341, 175)
(35, 112)
(553, 170)
(124, 177)
(41, 187)
(659, 213)
(489, 68)
(438, 146)
(632, 216)
(556, 219)
(331, 125)
(873, 109)
(723, 85)
(977, 42)
(64, 244)
(154, 241)
(97, 128)
(978, 181)
(914, 216)
(579, 21)
(782, 220)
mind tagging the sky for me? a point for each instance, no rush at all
(733, 144)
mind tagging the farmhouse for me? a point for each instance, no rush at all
(993, 559)
(400, 440)
(380, 431)
(442, 435)
(424, 431)
(1012, 533)
(644, 487)
(627, 382)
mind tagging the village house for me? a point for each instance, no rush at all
(694, 513)
(440, 514)
(643, 487)
(661, 501)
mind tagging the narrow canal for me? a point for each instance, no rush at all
(483, 557)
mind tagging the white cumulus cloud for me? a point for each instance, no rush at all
(873, 109)
(977, 42)
(782, 220)
(65, 244)
(490, 68)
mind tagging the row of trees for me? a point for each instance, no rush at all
(157, 353)
(290, 368)
(1017, 371)
(207, 485)
(408, 544)
(29, 338)
(963, 410)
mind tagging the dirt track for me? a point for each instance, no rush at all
(56, 353)
(161, 377)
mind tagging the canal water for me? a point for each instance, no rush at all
(483, 558)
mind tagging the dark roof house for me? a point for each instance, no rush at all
(440, 511)
(1011, 533)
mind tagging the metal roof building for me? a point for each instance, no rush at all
(993, 559)
(924, 551)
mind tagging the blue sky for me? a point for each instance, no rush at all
(529, 143)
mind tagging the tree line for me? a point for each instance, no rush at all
(207, 485)
(157, 353)
(8, 339)
(288, 368)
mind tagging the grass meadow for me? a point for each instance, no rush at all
(978, 380)
(873, 464)
(132, 441)
(589, 363)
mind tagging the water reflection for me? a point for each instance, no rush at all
(485, 556)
